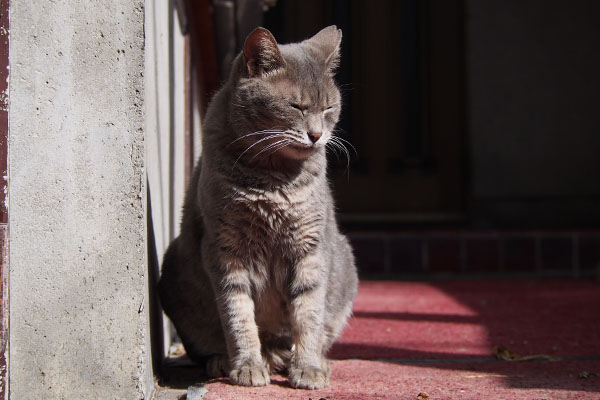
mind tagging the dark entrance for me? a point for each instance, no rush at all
(401, 74)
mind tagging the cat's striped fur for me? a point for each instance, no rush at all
(260, 279)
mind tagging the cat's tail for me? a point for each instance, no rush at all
(277, 352)
(166, 282)
(172, 298)
(278, 359)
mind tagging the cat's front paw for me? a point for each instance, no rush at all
(250, 375)
(309, 378)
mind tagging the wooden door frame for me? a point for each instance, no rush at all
(438, 169)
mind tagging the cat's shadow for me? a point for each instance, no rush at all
(183, 373)
(277, 380)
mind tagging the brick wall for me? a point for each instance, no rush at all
(527, 253)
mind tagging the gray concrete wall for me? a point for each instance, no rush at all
(78, 284)
(533, 91)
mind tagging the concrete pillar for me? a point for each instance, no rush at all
(78, 274)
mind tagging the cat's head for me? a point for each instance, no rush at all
(285, 101)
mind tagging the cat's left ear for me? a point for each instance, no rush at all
(261, 53)
(327, 42)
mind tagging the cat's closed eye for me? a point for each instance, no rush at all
(298, 107)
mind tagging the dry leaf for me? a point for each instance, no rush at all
(503, 353)
(423, 396)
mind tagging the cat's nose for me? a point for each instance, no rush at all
(314, 136)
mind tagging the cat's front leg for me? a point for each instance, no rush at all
(308, 369)
(236, 309)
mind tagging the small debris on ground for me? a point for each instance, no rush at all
(587, 374)
(504, 354)
(176, 349)
(423, 396)
(196, 392)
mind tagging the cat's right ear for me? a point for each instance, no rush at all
(261, 53)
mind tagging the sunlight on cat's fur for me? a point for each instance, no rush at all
(260, 279)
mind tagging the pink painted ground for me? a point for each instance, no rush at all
(409, 337)
(463, 319)
(370, 380)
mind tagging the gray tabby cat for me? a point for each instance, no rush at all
(260, 279)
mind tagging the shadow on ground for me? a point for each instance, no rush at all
(448, 330)
(456, 325)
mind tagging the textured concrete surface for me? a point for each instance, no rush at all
(78, 321)
(407, 338)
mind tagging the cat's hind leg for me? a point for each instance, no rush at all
(217, 366)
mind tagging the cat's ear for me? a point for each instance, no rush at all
(327, 42)
(261, 53)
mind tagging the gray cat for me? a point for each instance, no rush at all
(260, 279)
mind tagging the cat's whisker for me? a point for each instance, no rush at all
(350, 144)
(335, 148)
(268, 147)
(340, 145)
(335, 144)
(281, 146)
(252, 145)
(270, 130)
(262, 132)
(341, 152)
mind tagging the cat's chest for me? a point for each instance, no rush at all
(277, 218)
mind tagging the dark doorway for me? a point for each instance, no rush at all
(401, 75)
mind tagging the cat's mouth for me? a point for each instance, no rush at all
(299, 151)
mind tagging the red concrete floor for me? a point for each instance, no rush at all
(438, 337)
